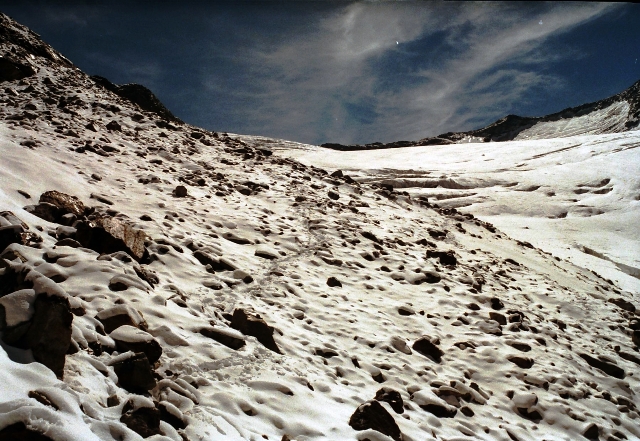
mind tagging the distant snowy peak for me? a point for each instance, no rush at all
(618, 113)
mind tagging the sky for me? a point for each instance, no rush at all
(349, 72)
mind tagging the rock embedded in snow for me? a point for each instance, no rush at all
(19, 431)
(11, 70)
(49, 333)
(371, 415)
(606, 367)
(228, 337)
(523, 362)
(144, 420)
(171, 415)
(120, 315)
(252, 324)
(334, 282)
(428, 347)
(134, 372)
(180, 191)
(129, 338)
(429, 401)
(392, 397)
(108, 235)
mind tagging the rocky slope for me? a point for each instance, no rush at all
(616, 114)
(161, 281)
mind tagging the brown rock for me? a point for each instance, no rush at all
(114, 126)
(371, 415)
(135, 373)
(623, 304)
(334, 283)
(12, 70)
(64, 202)
(428, 347)
(129, 338)
(392, 397)
(145, 421)
(496, 316)
(592, 432)
(226, 337)
(108, 235)
(254, 325)
(608, 368)
(19, 431)
(49, 334)
(523, 362)
(120, 315)
(171, 415)
(180, 191)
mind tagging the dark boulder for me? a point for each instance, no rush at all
(500, 318)
(439, 410)
(392, 397)
(623, 304)
(180, 191)
(427, 277)
(428, 347)
(252, 324)
(64, 202)
(47, 330)
(371, 415)
(114, 126)
(129, 338)
(12, 71)
(18, 431)
(120, 315)
(445, 257)
(591, 432)
(49, 334)
(214, 264)
(171, 415)
(134, 372)
(496, 303)
(224, 336)
(145, 421)
(108, 235)
(334, 283)
(606, 367)
(13, 230)
(523, 362)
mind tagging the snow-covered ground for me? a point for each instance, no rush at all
(261, 298)
(577, 197)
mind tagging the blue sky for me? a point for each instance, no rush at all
(349, 72)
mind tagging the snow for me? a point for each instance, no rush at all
(577, 197)
(339, 343)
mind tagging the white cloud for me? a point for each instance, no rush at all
(309, 82)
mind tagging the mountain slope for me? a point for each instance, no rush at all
(203, 288)
(616, 114)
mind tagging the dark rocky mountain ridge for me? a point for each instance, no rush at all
(509, 127)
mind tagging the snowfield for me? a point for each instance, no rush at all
(159, 281)
(576, 197)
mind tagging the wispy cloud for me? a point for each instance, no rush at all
(344, 80)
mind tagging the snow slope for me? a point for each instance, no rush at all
(576, 197)
(360, 299)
